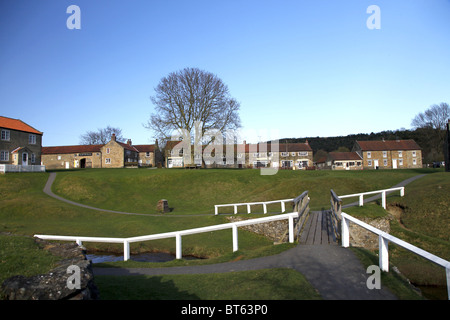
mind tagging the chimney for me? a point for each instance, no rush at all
(245, 142)
(113, 137)
(129, 142)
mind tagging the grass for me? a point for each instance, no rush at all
(268, 284)
(26, 210)
(197, 191)
(31, 260)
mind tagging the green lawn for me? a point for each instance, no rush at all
(197, 191)
(26, 210)
(269, 284)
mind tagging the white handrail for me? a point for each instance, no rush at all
(249, 204)
(383, 240)
(383, 195)
(178, 234)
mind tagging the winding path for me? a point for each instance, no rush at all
(334, 271)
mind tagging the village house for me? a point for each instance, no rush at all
(261, 155)
(20, 143)
(344, 161)
(389, 154)
(113, 154)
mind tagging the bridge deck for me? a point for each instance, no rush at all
(318, 229)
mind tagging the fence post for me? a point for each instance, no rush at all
(79, 242)
(126, 250)
(178, 246)
(402, 192)
(235, 209)
(235, 238)
(383, 199)
(291, 229)
(265, 207)
(345, 232)
(361, 200)
(248, 208)
(216, 211)
(283, 207)
(383, 253)
(447, 272)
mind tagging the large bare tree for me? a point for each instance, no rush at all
(192, 100)
(433, 123)
(101, 136)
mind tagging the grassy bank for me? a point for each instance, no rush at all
(197, 191)
(26, 210)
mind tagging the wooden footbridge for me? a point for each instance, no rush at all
(318, 229)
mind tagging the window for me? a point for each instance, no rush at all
(400, 162)
(284, 154)
(147, 154)
(108, 160)
(4, 155)
(293, 154)
(240, 155)
(414, 161)
(303, 153)
(385, 162)
(384, 154)
(369, 155)
(414, 154)
(400, 154)
(33, 158)
(369, 163)
(59, 157)
(32, 139)
(108, 150)
(5, 135)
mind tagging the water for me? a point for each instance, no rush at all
(99, 257)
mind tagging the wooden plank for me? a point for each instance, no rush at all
(318, 229)
(305, 231)
(312, 229)
(325, 233)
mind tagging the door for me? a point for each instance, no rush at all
(394, 163)
(24, 159)
(375, 164)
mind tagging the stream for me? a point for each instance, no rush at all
(99, 257)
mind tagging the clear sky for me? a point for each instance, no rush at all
(298, 68)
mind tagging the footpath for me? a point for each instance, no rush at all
(335, 272)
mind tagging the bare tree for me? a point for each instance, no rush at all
(101, 136)
(190, 97)
(432, 123)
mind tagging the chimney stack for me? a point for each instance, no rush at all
(129, 142)
(113, 137)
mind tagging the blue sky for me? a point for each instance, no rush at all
(298, 68)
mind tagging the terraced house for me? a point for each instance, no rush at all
(261, 155)
(20, 143)
(389, 154)
(113, 154)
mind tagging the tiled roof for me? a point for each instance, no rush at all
(71, 149)
(260, 147)
(385, 145)
(145, 147)
(344, 156)
(16, 124)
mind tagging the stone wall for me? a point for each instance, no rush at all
(53, 285)
(274, 230)
(360, 237)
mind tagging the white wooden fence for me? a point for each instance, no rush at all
(178, 234)
(383, 195)
(383, 241)
(249, 204)
(19, 168)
